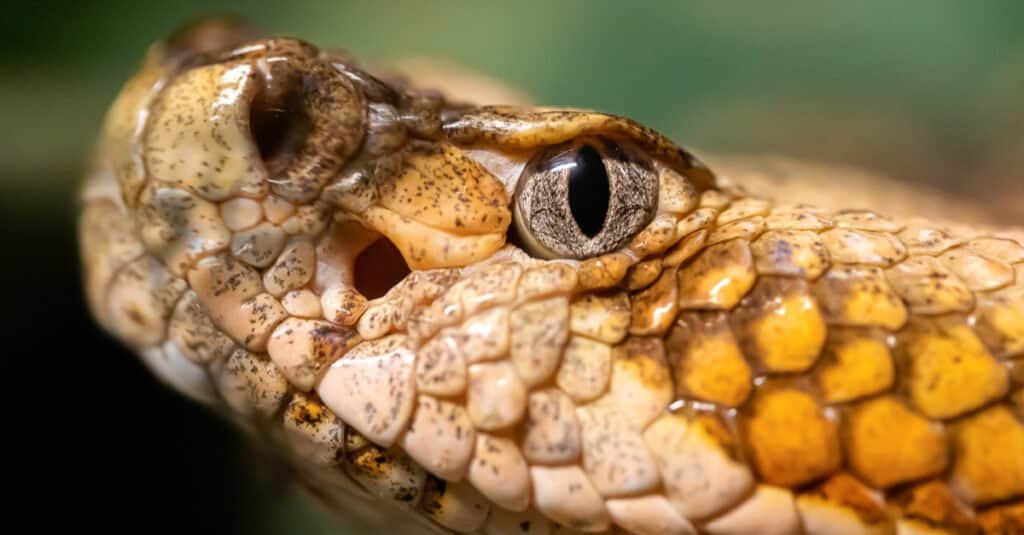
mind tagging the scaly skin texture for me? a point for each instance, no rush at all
(739, 365)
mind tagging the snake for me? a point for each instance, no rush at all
(447, 317)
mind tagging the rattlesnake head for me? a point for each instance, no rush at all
(525, 320)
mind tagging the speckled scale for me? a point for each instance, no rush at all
(615, 457)
(843, 504)
(440, 437)
(140, 300)
(108, 242)
(799, 253)
(499, 471)
(924, 237)
(191, 329)
(373, 388)
(443, 188)
(889, 443)
(707, 361)
(387, 474)
(949, 371)
(180, 227)
(999, 321)
(696, 456)
(718, 277)
(538, 334)
(188, 117)
(251, 384)
(793, 438)
(929, 287)
(933, 503)
(798, 217)
(314, 431)
(780, 325)
(855, 363)
(860, 296)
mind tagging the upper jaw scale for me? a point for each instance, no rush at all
(337, 254)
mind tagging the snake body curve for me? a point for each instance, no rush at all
(735, 365)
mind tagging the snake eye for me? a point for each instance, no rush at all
(583, 198)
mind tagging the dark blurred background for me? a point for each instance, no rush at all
(925, 91)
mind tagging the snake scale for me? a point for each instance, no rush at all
(507, 320)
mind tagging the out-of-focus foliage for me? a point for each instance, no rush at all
(922, 89)
(926, 90)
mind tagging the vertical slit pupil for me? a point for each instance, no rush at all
(589, 191)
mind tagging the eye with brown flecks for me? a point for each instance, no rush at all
(583, 198)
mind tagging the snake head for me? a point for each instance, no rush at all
(536, 317)
(264, 213)
(224, 142)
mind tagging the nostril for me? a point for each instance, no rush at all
(379, 268)
(279, 125)
(305, 116)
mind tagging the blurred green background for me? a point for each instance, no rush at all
(919, 89)
(927, 91)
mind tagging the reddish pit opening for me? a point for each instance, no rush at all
(379, 268)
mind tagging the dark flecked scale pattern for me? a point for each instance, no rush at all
(739, 364)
